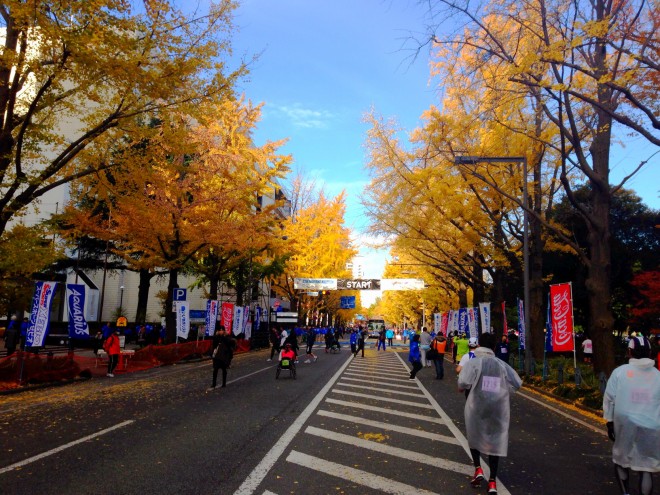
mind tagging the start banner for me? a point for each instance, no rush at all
(561, 301)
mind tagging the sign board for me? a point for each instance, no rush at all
(315, 283)
(122, 321)
(347, 302)
(179, 294)
(358, 284)
(286, 317)
(401, 284)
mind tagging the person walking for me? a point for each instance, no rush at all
(223, 352)
(311, 338)
(381, 340)
(364, 335)
(439, 344)
(462, 348)
(631, 407)
(329, 339)
(587, 349)
(424, 345)
(473, 343)
(503, 350)
(489, 382)
(12, 335)
(274, 342)
(353, 340)
(415, 356)
(389, 335)
(113, 349)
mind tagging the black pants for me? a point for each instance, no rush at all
(417, 365)
(493, 462)
(217, 367)
(113, 359)
(389, 342)
(275, 348)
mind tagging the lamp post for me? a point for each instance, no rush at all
(121, 300)
(472, 160)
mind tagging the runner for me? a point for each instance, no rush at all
(311, 338)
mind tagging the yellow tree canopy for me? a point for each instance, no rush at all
(75, 78)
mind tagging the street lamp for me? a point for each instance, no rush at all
(472, 160)
(121, 299)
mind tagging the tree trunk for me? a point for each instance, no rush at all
(170, 317)
(536, 286)
(214, 282)
(143, 295)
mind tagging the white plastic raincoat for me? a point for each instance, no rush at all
(487, 410)
(632, 402)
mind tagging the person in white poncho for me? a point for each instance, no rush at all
(487, 410)
(631, 407)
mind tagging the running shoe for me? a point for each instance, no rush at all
(478, 477)
(267, 360)
(316, 358)
(307, 361)
(110, 375)
(492, 487)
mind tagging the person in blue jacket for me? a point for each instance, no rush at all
(353, 339)
(415, 356)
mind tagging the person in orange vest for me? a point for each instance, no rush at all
(440, 346)
(112, 348)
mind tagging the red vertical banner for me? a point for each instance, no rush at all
(506, 326)
(227, 316)
(561, 303)
(444, 323)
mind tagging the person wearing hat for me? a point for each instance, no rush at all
(631, 407)
(473, 343)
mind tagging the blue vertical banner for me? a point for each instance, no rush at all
(484, 312)
(182, 319)
(211, 316)
(40, 316)
(548, 329)
(257, 318)
(75, 296)
(472, 322)
(463, 325)
(521, 323)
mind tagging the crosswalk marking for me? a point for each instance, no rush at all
(385, 384)
(366, 367)
(379, 375)
(353, 475)
(377, 389)
(384, 399)
(367, 407)
(410, 455)
(388, 426)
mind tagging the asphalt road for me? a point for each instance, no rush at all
(353, 426)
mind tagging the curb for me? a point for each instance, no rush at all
(541, 391)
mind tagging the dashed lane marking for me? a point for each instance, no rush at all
(65, 446)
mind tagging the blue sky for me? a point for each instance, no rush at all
(324, 64)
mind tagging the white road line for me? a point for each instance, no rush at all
(379, 389)
(378, 376)
(501, 489)
(368, 367)
(259, 473)
(388, 426)
(268, 492)
(65, 446)
(353, 475)
(366, 407)
(562, 413)
(384, 384)
(409, 455)
(384, 399)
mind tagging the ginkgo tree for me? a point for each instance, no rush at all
(76, 76)
(591, 67)
(192, 187)
(319, 246)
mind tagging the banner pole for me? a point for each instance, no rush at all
(570, 284)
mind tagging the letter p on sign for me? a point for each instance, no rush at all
(179, 294)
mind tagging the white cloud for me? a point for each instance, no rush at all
(304, 117)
